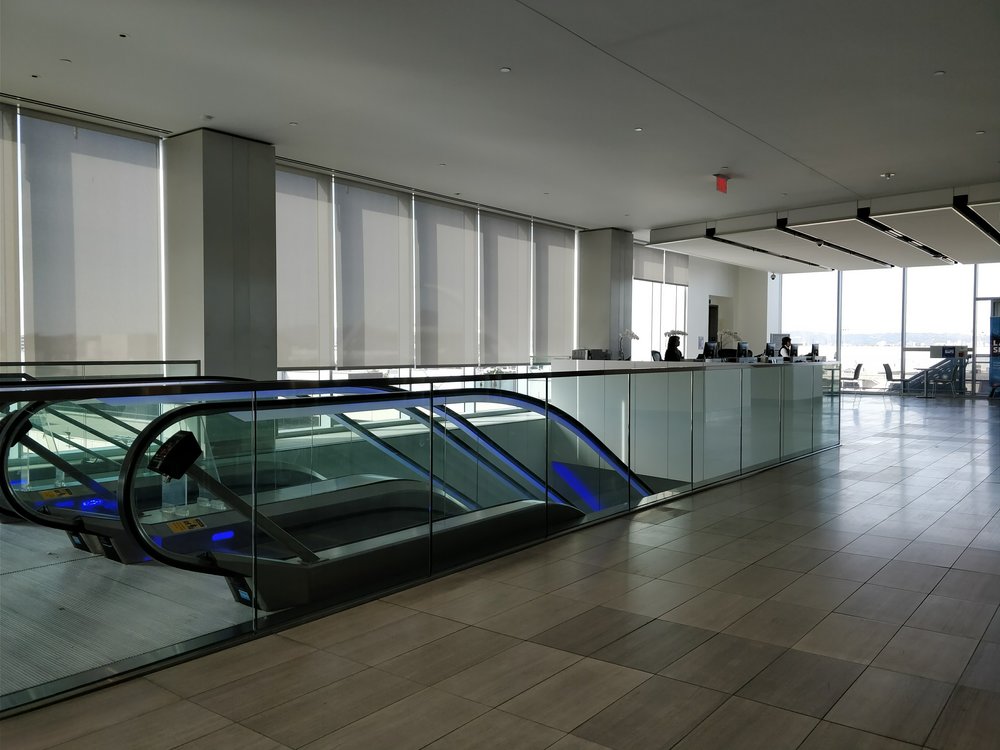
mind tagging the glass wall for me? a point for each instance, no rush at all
(871, 322)
(657, 309)
(809, 310)
(938, 311)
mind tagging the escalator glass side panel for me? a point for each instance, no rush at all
(660, 432)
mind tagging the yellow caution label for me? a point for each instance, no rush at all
(57, 492)
(188, 524)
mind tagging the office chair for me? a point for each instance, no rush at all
(656, 356)
(856, 378)
(889, 380)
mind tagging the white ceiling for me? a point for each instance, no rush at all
(803, 104)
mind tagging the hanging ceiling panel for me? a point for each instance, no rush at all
(702, 247)
(864, 239)
(781, 243)
(990, 212)
(947, 231)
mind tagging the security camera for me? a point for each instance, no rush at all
(773, 276)
(819, 243)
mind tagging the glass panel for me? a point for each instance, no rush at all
(981, 363)
(826, 405)
(872, 316)
(588, 466)
(988, 280)
(660, 431)
(938, 311)
(809, 311)
(800, 393)
(761, 428)
(717, 423)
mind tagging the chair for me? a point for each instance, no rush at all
(889, 380)
(656, 356)
(854, 381)
(947, 378)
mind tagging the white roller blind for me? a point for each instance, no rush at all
(374, 275)
(506, 318)
(10, 275)
(675, 268)
(304, 222)
(647, 263)
(91, 226)
(555, 259)
(447, 283)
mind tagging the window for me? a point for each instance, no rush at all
(506, 315)
(872, 318)
(657, 309)
(938, 310)
(809, 311)
(554, 289)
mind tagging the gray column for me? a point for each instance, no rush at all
(220, 253)
(605, 289)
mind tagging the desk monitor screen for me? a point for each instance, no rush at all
(768, 349)
(814, 350)
(742, 349)
(711, 350)
(795, 350)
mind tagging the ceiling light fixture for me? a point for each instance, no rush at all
(505, 69)
(65, 60)
(939, 73)
(980, 132)
(123, 36)
(293, 123)
(638, 130)
(961, 204)
(710, 234)
(887, 175)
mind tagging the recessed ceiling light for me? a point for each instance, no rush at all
(65, 59)
(505, 69)
(980, 132)
(638, 130)
(34, 75)
(457, 193)
(442, 164)
(208, 117)
(940, 73)
(293, 123)
(123, 36)
(546, 193)
(887, 175)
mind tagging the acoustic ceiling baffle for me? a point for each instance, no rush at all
(961, 204)
(710, 234)
(782, 226)
(865, 216)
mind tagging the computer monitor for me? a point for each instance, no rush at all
(742, 349)
(711, 350)
(768, 349)
(814, 350)
(795, 350)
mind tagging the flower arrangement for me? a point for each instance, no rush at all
(627, 333)
(728, 337)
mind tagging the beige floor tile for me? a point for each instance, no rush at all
(602, 587)
(217, 669)
(952, 616)
(925, 653)
(713, 610)
(591, 630)
(849, 638)
(698, 542)
(828, 539)
(553, 575)
(653, 646)
(724, 663)
(827, 736)
(818, 592)
(795, 557)
(881, 603)
(233, 737)
(411, 723)
(654, 536)
(501, 677)
(852, 567)
(611, 553)
(572, 742)
(657, 713)
(930, 553)
(655, 563)
(388, 641)
(490, 598)
(569, 698)
(748, 725)
(802, 682)
(88, 713)
(533, 617)
(449, 655)
(971, 586)
(326, 710)
(983, 671)
(350, 623)
(757, 581)
(779, 532)
(438, 591)
(895, 705)
(979, 560)
(970, 721)
(163, 728)
(269, 687)
(498, 730)
(776, 622)
(705, 571)
(875, 546)
(654, 598)
(909, 576)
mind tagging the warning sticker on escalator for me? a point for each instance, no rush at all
(57, 492)
(188, 524)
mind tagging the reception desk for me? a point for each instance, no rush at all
(685, 425)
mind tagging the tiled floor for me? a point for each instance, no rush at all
(849, 600)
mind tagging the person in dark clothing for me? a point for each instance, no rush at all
(786, 347)
(673, 353)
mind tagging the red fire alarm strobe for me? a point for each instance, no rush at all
(722, 183)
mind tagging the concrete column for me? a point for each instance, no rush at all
(605, 289)
(220, 253)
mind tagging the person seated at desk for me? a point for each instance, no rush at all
(673, 353)
(786, 347)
